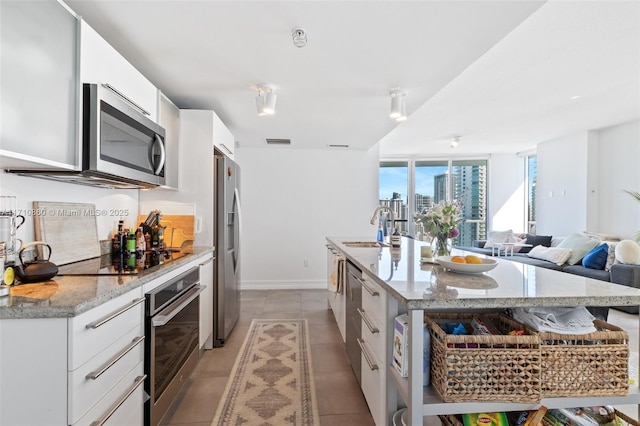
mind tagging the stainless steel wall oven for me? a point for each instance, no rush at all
(172, 314)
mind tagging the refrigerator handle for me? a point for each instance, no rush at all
(238, 222)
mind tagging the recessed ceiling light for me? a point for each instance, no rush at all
(573, 98)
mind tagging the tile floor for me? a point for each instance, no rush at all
(340, 400)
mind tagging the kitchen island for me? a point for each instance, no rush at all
(415, 288)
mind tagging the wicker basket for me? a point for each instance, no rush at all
(484, 367)
(594, 364)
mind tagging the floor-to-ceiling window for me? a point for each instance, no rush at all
(394, 181)
(532, 173)
(413, 186)
(469, 189)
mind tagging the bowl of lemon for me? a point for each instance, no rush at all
(469, 264)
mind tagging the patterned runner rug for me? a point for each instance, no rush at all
(271, 383)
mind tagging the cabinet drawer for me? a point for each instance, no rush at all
(89, 383)
(374, 304)
(373, 386)
(92, 332)
(375, 339)
(125, 402)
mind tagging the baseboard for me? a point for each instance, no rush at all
(283, 285)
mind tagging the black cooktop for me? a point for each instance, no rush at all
(119, 264)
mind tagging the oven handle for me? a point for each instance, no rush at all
(173, 309)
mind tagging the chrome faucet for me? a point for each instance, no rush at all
(392, 216)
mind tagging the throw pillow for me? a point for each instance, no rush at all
(611, 256)
(515, 239)
(536, 240)
(596, 258)
(552, 254)
(497, 237)
(579, 245)
(628, 251)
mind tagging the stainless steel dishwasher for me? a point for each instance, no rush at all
(353, 319)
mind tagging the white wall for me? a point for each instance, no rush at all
(619, 155)
(291, 200)
(561, 187)
(27, 190)
(593, 168)
(506, 193)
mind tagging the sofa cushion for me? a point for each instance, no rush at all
(628, 252)
(536, 240)
(596, 258)
(556, 255)
(579, 245)
(524, 258)
(598, 274)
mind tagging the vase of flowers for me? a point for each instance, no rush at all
(441, 223)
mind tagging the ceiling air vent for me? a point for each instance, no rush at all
(278, 141)
(338, 146)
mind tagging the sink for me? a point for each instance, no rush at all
(364, 244)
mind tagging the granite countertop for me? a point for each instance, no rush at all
(70, 295)
(511, 284)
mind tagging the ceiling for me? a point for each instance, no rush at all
(501, 75)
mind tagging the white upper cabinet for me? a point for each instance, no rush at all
(169, 119)
(40, 98)
(101, 63)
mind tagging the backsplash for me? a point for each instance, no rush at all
(114, 203)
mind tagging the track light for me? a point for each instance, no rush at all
(455, 141)
(266, 100)
(398, 109)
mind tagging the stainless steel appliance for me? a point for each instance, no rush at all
(121, 147)
(172, 314)
(353, 319)
(226, 297)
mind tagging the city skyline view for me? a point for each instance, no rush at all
(462, 181)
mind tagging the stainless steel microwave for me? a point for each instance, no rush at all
(118, 139)
(121, 147)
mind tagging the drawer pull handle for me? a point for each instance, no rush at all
(372, 366)
(111, 316)
(97, 373)
(370, 290)
(139, 380)
(366, 320)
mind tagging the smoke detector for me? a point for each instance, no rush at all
(299, 37)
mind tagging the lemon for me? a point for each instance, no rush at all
(9, 276)
(458, 259)
(473, 259)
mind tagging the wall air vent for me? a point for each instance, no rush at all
(338, 146)
(278, 141)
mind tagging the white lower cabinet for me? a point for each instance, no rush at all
(59, 371)
(121, 405)
(373, 385)
(373, 345)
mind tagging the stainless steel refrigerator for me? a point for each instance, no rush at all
(226, 298)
